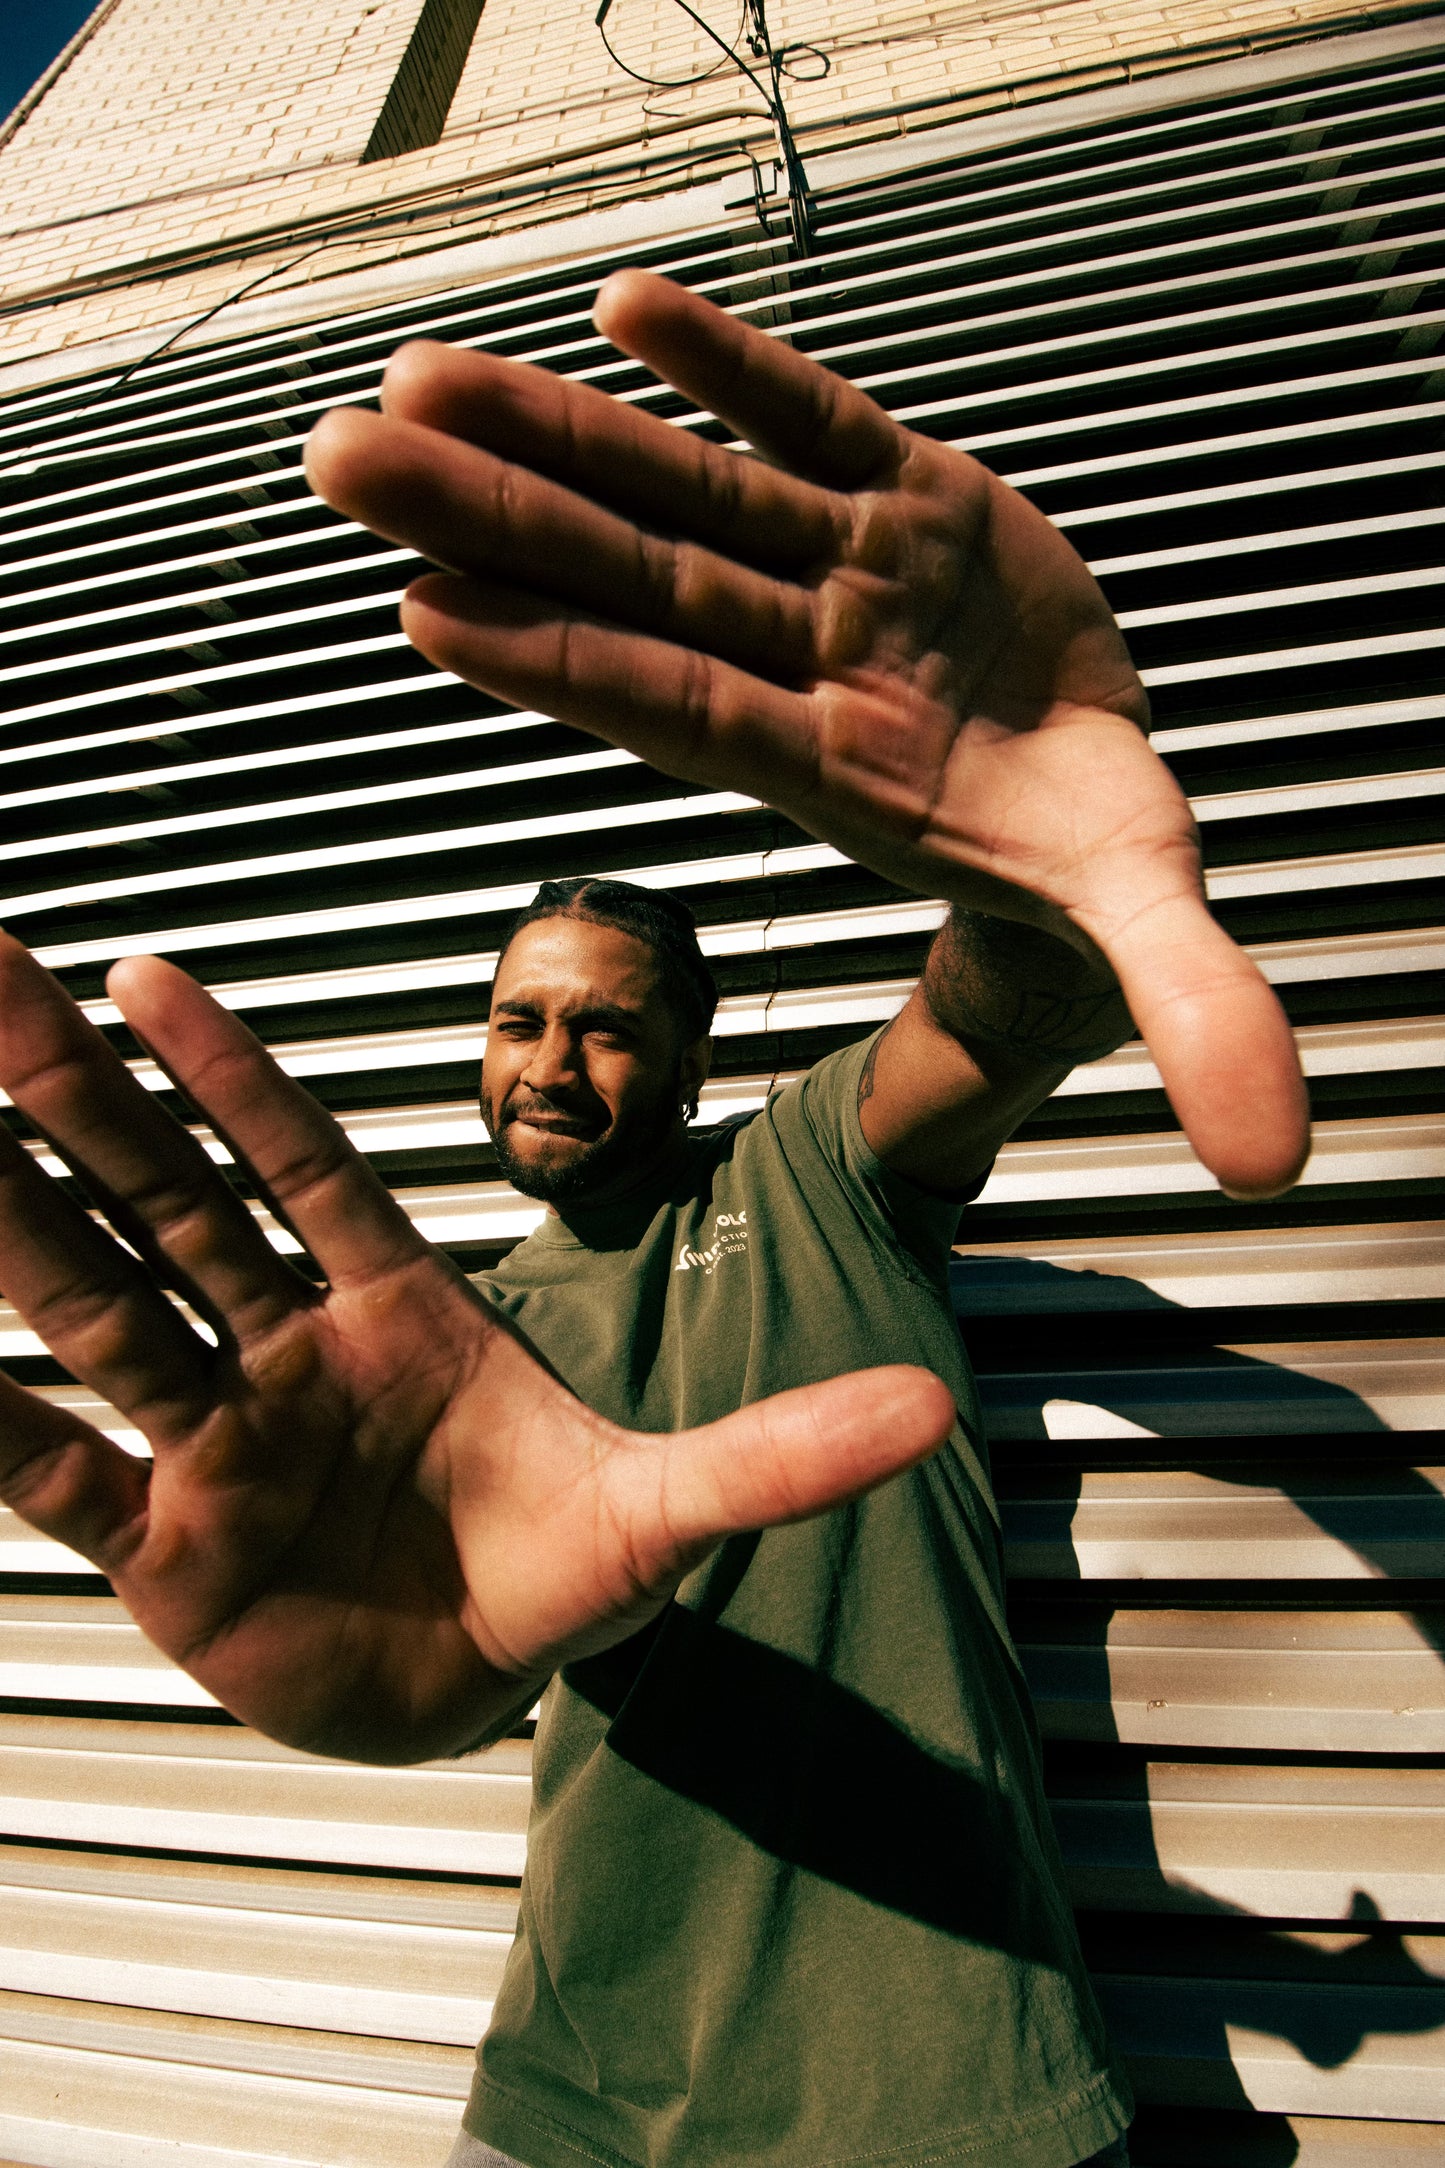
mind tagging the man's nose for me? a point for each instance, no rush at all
(553, 1063)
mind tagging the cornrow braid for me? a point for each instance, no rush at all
(650, 915)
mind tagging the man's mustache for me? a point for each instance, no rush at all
(545, 1114)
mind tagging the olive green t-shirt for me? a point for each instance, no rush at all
(792, 1895)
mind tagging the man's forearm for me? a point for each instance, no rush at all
(1001, 987)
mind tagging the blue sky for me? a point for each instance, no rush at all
(31, 34)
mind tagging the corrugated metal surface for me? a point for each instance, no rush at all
(1205, 338)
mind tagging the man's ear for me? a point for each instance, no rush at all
(694, 1066)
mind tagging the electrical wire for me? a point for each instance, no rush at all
(684, 82)
(753, 25)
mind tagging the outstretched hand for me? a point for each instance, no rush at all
(374, 1524)
(862, 627)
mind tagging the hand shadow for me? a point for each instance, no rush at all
(1239, 1415)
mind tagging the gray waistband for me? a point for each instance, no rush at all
(469, 2152)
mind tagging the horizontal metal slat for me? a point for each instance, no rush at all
(275, 621)
(1228, 493)
(1334, 1682)
(271, 2050)
(1231, 1525)
(1195, 2137)
(1310, 722)
(1148, 150)
(1403, 1147)
(1206, 2042)
(1285, 437)
(1286, 598)
(338, 1975)
(81, 2108)
(253, 467)
(199, 679)
(202, 1789)
(1253, 1267)
(1286, 1842)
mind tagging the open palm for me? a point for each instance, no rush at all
(864, 628)
(374, 1524)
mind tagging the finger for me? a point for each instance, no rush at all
(475, 513)
(317, 1182)
(792, 409)
(1222, 1043)
(98, 1311)
(688, 713)
(153, 1180)
(780, 1460)
(68, 1481)
(610, 450)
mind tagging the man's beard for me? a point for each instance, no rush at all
(630, 1145)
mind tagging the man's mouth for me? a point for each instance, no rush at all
(554, 1125)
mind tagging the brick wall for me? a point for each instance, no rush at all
(196, 149)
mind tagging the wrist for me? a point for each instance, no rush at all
(1004, 988)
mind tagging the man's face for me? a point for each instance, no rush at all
(584, 1076)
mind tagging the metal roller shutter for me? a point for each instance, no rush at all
(1204, 336)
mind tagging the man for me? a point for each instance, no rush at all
(792, 1897)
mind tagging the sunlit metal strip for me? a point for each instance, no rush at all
(1402, 581)
(246, 515)
(321, 612)
(200, 598)
(1247, 1268)
(1267, 485)
(1276, 538)
(316, 751)
(197, 680)
(255, 466)
(687, 806)
(1181, 450)
(1295, 658)
(193, 721)
(1031, 430)
(496, 777)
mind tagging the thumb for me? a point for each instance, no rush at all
(1222, 1043)
(779, 1460)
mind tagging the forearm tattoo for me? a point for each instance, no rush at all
(1000, 984)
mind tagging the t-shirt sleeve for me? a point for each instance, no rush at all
(925, 1223)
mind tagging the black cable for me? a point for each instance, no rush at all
(657, 82)
(759, 40)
